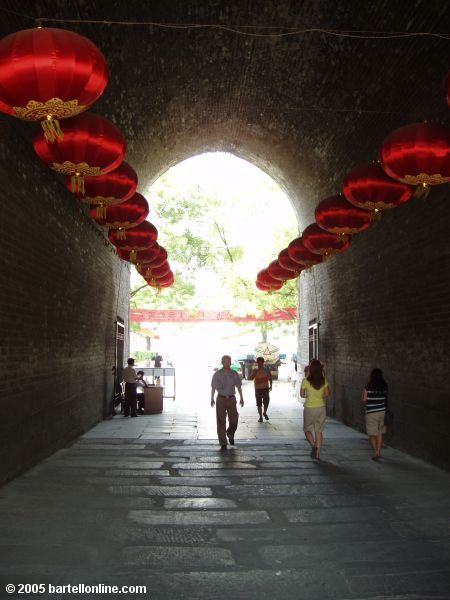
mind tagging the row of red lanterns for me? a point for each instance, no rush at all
(413, 157)
(48, 75)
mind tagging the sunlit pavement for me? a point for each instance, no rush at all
(152, 501)
(190, 417)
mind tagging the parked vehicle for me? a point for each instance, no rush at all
(271, 356)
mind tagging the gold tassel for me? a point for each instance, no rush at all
(52, 130)
(376, 214)
(101, 211)
(421, 192)
(133, 256)
(121, 234)
(77, 182)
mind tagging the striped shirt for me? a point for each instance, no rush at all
(376, 400)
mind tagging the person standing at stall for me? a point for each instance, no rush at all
(129, 377)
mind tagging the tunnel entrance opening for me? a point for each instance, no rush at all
(221, 220)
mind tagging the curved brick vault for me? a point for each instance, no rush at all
(305, 108)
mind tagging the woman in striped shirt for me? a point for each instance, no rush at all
(375, 397)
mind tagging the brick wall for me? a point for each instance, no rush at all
(386, 303)
(61, 288)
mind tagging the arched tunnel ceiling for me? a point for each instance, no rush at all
(304, 107)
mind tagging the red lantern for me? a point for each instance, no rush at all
(151, 272)
(319, 241)
(91, 146)
(298, 252)
(286, 261)
(109, 189)
(153, 256)
(48, 74)
(165, 281)
(158, 259)
(268, 281)
(278, 272)
(134, 240)
(369, 187)
(418, 154)
(273, 287)
(123, 216)
(336, 215)
(261, 287)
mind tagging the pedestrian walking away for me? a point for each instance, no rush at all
(375, 396)
(129, 377)
(263, 386)
(225, 381)
(315, 390)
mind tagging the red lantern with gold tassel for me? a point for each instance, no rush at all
(368, 187)
(278, 272)
(286, 261)
(418, 154)
(134, 240)
(108, 190)
(161, 282)
(160, 258)
(337, 215)
(48, 74)
(126, 215)
(91, 145)
(322, 242)
(298, 252)
(263, 288)
(154, 254)
(155, 272)
(268, 281)
(273, 287)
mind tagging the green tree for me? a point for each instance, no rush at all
(199, 229)
(185, 230)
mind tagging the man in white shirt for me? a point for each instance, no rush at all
(129, 376)
(225, 380)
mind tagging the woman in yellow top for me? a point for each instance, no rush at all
(314, 389)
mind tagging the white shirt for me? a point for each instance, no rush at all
(141, 384)
(225, 382)
(129, 374)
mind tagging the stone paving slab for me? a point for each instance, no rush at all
(129, 504)
(213, 517)
(159, 490)
(177, 558)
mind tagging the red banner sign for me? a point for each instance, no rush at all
(139, 315)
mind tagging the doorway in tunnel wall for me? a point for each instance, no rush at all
(313, 339)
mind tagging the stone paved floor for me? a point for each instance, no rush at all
(151, 501)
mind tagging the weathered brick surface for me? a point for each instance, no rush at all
(61, 289)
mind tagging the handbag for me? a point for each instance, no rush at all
(388, 417)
